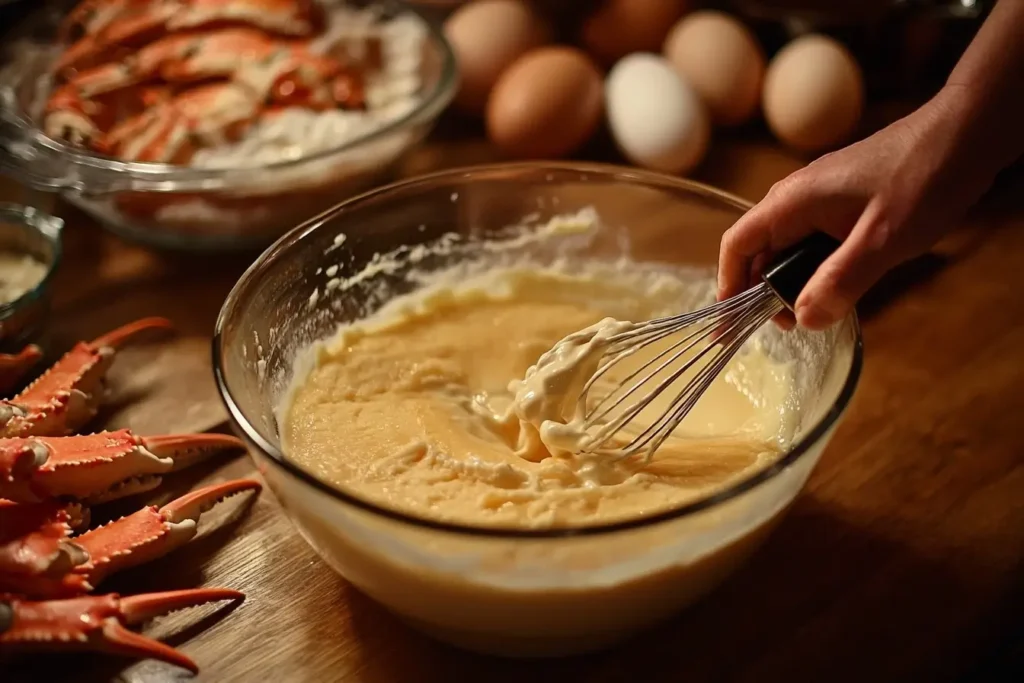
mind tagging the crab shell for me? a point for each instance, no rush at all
(65, 397)
(97, 622)
(44, 480)
(38, 554)
(110, 29)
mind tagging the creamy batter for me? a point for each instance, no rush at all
(437, 405)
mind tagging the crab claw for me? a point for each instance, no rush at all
(67, 396)
(98, 467)
(98, 622)
(13, 366)
(151, 532)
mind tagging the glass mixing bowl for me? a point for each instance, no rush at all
(183, 207)
(509, 592)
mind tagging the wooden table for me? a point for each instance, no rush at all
(901, 562)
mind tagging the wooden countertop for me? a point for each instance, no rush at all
(903, 560)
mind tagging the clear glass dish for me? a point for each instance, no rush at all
(504, 591)
(25, 230)
(184, 207)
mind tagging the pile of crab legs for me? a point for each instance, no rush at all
(49, 477)
(155, 80)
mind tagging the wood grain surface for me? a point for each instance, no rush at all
(901, 562)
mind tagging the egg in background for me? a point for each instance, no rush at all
(813, 94)
(487, 36)
(617, 28)
(656, 119)
(722, 60)
(546, 105)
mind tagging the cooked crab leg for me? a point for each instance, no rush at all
(67, 396)
(152, 532)
(133, 24)
(98, 622)
(99, 467)
(13, 366)
(39, 558)
(37, 554)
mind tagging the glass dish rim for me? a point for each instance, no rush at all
(34, 219)
(608, 171)
(430, 107)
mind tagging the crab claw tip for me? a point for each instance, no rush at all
(139, 608)
(186, 449)
(122, 335)
(120, 640)
(193, 504)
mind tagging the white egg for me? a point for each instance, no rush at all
(657, 120)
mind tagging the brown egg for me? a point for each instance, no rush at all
(487, 36)
(546, 105)
(620, 27)
(722, 60)
(813, 93)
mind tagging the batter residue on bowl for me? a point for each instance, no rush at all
(415, 407)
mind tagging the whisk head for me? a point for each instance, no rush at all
(699, 344)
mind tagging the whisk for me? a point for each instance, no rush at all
(711, 336)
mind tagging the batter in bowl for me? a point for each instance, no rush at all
(431, 406)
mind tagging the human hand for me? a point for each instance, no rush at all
(888, 198)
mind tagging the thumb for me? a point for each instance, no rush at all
(859, 262)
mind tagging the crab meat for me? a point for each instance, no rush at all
(98, 622)
(14, 366)
(113, 27)
(170, 132)
(95, 468)
(68, 395)
(178, 58)
(316, 82)
(39, 556)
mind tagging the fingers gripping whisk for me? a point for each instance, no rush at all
(677, 357)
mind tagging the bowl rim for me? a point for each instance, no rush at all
(160, 177)
(610, 171)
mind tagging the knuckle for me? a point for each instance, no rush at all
(790, 185)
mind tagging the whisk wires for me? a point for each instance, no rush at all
(708, 339)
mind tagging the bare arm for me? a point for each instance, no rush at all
(892, 195)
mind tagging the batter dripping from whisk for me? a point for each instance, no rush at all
(430, 406)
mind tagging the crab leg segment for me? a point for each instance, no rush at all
(13, 366)
(36, 551)
(151, 532)
(98, 622)
(98, 467)
(68, 395)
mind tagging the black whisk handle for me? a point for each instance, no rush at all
(790, 270)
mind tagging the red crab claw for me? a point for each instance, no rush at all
(98, 467)
(13, 366)
(37, 554)
(97, 622)
(151, 532)
(68, 395)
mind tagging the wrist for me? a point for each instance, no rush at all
(967, 140)
(984, 122)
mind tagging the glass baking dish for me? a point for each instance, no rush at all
(199, 208)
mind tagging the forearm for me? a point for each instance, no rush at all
(985, 91)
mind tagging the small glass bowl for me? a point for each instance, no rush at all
(187, 208)
(512, 592)
(28, 231)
